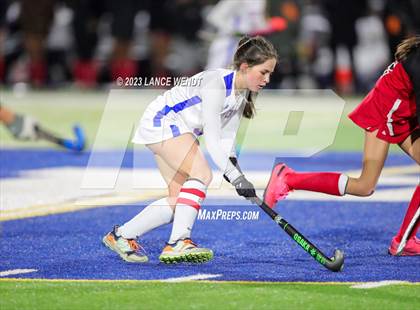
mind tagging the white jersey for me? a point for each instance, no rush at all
(207, 105)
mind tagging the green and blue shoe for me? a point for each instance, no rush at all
(184, 250)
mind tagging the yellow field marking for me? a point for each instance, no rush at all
(108, 200)
(198, 281)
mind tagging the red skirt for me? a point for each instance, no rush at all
(393, 117)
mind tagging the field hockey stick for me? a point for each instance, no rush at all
(77, 144)
(408, 231)
(335, 263)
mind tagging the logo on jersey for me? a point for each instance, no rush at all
(390, 68)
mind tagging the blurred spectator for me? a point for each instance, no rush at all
(160, 35)
(46, 26)
(286, 41)
(28, 47)
(371, 53)
(36, 19)
(3, 7)
(87, 14)
(401, 20)
(342, 16)
(314, 47)
(231, 19)
(174, 25)
(47, 42)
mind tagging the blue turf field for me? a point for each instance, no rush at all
(68, 246)
(15, 161)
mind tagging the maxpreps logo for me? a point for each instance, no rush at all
(223, 215)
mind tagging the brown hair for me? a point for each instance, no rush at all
(253, 51)
(406, 47)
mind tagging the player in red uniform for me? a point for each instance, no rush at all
(390, 114)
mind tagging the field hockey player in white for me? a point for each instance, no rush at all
(170, 127)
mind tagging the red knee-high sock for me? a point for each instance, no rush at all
(324, 182)
(412, 209)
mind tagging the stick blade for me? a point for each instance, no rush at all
(79, 143)
(337, 261)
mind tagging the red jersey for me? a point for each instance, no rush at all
(395, 81)
(390, 107)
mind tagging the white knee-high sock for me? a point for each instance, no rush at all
(189, 201)
(154, 215)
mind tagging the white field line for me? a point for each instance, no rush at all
(369, 285)
(16, 271)
(195, 277)
(42, 197)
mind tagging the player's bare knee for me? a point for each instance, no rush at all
(366, 191)
(362, 187)
(205, 176)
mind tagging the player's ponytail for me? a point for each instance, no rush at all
(249, 110)
(406, 47)
(253, 51)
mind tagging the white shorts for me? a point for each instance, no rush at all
(149, 132)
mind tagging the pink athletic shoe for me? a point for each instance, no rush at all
(412, 247)
(277, 189)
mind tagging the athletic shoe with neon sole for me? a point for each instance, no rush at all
(277, 189)
(412, 247)
(128, 249)
(184, 250)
